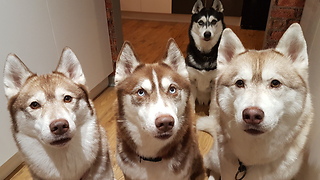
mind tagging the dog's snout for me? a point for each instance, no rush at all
(207, 35)
(164, 123)
(59, 126)
(253, 115)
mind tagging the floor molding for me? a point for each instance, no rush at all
(9, 166)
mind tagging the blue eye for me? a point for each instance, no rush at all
(172, 89)
(141, 92)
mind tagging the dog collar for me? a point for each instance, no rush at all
(242, 171)
(157, 159)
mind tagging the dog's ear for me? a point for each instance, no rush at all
(197, 7)
(230, 46)
(70, 66)
(15, 75)
(175, 59)
(126, 63)
(293, 45)
(217, 5)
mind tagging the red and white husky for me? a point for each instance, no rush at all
(156, 138)
(54, 122)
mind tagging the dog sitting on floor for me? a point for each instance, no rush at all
(261, 113)
(155, 135)
(204, 34)
(54, 122)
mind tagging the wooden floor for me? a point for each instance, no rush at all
(149, 41)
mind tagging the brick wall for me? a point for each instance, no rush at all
(111, 28)
(282, 14)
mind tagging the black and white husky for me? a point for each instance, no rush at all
(204, 33)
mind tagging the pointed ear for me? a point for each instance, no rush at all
(197, 7)
(126, 63)
(217, 5)
(293, 45)
(70, 66)
(175, 59)
(230, 46)
(15, 75)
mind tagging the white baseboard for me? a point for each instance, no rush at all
(94, 92)
(8, 167)
(229, 20)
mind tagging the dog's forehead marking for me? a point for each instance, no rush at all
(165, 82)
(155, 80)
(212, 18)
(203, 18)
(146, 84)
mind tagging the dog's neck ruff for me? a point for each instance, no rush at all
(156, 159)
(242, 171)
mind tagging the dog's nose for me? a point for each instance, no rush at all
(207, 35)
(164, 123)
(253, 115)
(59, 126)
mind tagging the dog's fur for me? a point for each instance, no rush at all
(204, 35)
(262, 108)
(54, 122)
(155, 118)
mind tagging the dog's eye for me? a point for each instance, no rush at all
(275, 83)
(141, 92)
(213, 22)
(172, 89)
(67, 99)
(240, 84)
(35, 105)
(201, 23)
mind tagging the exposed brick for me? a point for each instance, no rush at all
(291, 3)
(283, 13)
(278, 24)
(276, 35)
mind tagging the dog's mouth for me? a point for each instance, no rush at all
(61, 142)
(252, 131)
(164, 135)
(207, 39)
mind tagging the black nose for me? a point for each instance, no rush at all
(252, 115)
(59, 126)
(207, 35)
(164, 123)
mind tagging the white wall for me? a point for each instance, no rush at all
(150, 6)
(37, 31)
(310, 23)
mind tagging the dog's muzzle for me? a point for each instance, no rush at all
(164, 124)
(253, 116)
(60, 128)
(207, 36)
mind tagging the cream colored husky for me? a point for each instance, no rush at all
(261, 112)
(54, 122)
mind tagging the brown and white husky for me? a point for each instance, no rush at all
(54, 122)
(156, 137)
(263, 110)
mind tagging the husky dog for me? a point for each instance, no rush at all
(204, 34)
(54, 122)
(262, 107)
(156, 138)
